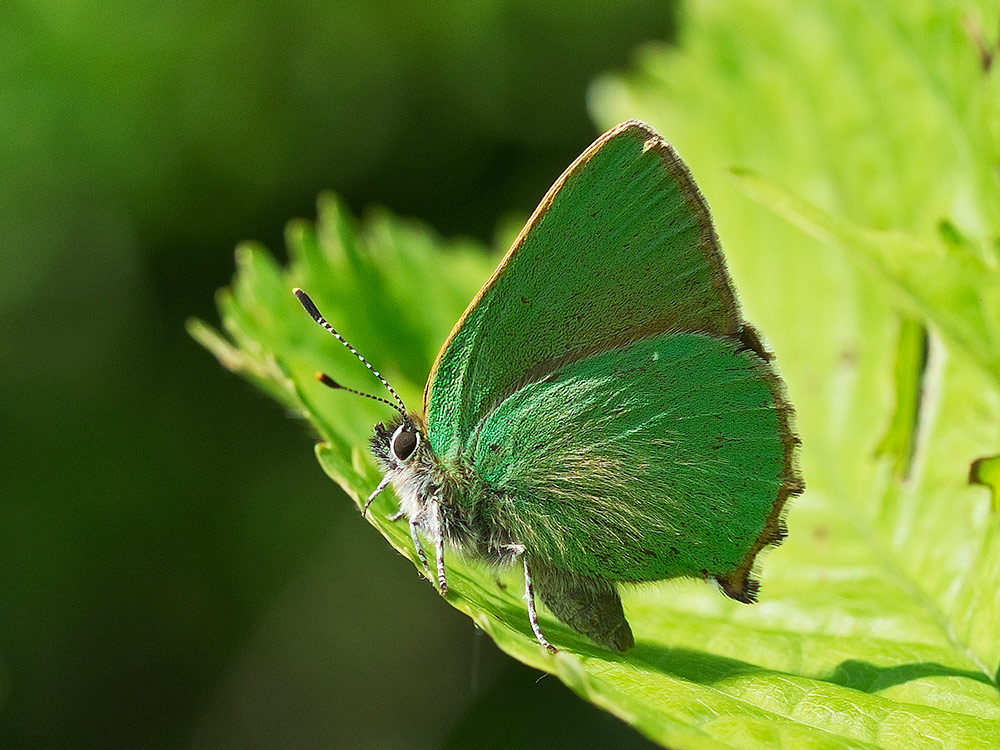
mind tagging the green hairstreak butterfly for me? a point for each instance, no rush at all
(601, 414)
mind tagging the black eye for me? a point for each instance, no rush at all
(404, 443)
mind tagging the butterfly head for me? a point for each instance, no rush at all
(404, 455)
(400, 443)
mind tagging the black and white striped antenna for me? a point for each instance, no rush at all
(325, 379)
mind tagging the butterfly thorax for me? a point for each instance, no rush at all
(418, 476)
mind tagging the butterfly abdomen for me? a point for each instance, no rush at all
(588, 605)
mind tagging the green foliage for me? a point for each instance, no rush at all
(872, 130)
(395, 291)
(142, 581)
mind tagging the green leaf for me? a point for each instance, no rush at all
(867, 136)
(870, 126)
(950, 285)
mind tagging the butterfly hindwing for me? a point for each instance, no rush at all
(621, 248)
(659, 459)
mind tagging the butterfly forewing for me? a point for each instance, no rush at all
(621, 249)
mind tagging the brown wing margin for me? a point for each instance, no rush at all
(739, 584)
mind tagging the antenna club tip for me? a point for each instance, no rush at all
(306, 302)
(326, 380)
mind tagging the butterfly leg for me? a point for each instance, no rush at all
(415, 536)
(438, 536)
(396, 516)
(381, 486)
(529, 597)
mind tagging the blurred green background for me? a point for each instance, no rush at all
(176, 570)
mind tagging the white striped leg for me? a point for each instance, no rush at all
(438, 537)
(529, 597)
(381, 486)
(415, 536)
(395, 516)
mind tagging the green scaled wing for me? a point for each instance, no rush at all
(656, 460)
(620, 249)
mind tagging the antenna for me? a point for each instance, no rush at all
(315, 314)
(331, 383)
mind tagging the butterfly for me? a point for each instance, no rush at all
(601, 414)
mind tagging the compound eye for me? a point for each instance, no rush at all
(404, 442)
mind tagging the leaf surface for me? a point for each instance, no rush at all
(872, 128)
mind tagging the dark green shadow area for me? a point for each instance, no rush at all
(692, 666)
(523, 708)
(860, 675)
(706, 669)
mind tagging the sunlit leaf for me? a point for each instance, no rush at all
(871, 127)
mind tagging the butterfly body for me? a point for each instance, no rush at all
(420, 477)
(594, 478)
(450, 502)
(602, 413)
